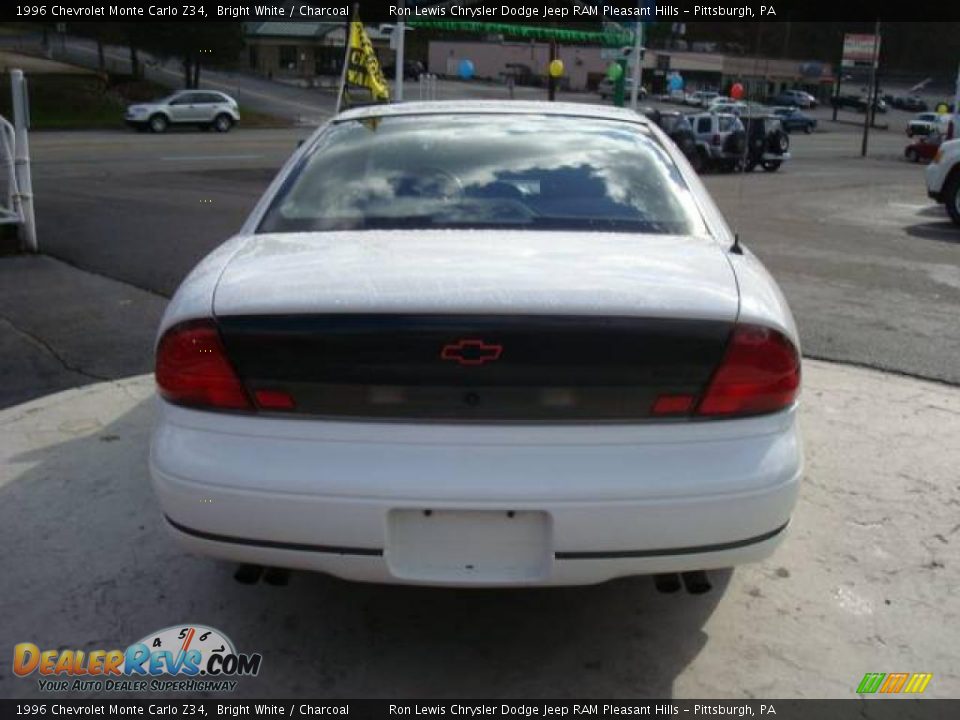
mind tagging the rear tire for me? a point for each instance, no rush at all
(951, 198)
(912, 155)
(808, 129)
(771, 165)
(705, 165)
(222, 123)
(158, 123)
(696, 162)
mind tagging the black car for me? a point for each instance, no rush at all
(858, 103)
(768, 144)
(677, 127)
(412, 70)
(793, 119)
(906, 102)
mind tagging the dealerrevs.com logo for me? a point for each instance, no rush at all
(180, 658)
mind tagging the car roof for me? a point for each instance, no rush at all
(498, 107)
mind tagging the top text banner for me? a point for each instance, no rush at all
(554, 12)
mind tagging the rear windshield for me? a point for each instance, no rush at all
(485, 171)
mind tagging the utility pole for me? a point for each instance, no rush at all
(871, 89)
(551, 80)
(401, 29)
(637, 64)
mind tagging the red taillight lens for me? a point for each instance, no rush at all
(716, 139)
(274, 400)
(760, 373)
(193, 369)
(673, 404)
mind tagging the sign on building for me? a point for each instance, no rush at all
(860, 50)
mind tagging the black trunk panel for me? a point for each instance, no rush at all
(467, 367)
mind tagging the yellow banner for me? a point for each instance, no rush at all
(363, 68)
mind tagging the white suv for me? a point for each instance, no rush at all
(943, 178)
(203, 108)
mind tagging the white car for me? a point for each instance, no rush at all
(701, 98)
(481, 344)
(203, 108)
(943, 178)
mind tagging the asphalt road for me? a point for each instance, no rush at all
(870, 266)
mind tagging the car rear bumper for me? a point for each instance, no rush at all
(476, 505)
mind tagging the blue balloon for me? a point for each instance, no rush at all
(466, 69)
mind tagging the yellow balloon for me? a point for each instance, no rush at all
(942, 109)
(556, 68)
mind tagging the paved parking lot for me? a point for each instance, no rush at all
(868, 263)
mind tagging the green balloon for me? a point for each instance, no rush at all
(614, 71)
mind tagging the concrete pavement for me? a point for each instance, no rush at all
(61, 327)
(868, 580)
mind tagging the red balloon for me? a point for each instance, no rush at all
(736, 92)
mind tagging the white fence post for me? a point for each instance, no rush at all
(21, 149)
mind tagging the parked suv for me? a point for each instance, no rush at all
(203, 108)
(768, 144)
(720, 139)
(677, 127)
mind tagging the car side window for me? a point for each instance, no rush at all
(181, 100)
(703, 125)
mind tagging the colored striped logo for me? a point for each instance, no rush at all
(894, 683)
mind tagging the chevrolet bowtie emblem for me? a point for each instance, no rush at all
(471, 352)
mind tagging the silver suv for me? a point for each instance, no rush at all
(721, 140)
(203, 108)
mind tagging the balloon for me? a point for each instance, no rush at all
(943, 109)
(736, 92)
(556, 68)
(614, 72)
(465, 69)
(675, 82)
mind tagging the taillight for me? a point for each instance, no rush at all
(716, 139)
(760, 373)
(192, 369)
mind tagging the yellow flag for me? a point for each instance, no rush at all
(363, 68)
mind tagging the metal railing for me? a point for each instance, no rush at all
(16, 200)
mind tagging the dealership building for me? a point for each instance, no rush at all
(585, 66)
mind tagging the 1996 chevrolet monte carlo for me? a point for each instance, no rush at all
(480, 344)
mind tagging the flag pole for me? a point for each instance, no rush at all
(346, 58)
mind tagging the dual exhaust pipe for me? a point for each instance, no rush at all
(252, 574)
(695, 582)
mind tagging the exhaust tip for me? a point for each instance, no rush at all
(696, 582)
(248, 574)
(667, 583)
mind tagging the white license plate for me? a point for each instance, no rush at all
(469, 545)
